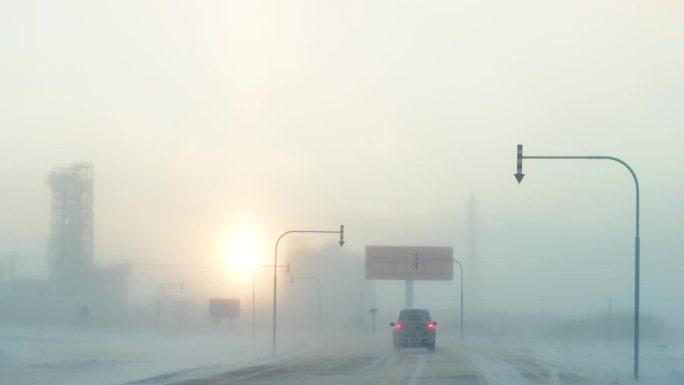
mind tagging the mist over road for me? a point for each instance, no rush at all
(467, 365)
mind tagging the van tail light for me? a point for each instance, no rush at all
(430, 325)
(398, 326)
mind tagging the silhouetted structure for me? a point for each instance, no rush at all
(71, 240)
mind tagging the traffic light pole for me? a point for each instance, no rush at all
(275, 271)
(637, 241)
(461, 267)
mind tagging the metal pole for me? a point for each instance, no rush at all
(375, 309)
(320, 301)
(461, 267)
(156, 322)
(408, 294)
(610, 319)
(637, 243)
(180, 312)
(253, 295)
(275, 271)
(253, 312)
(162, 287)
(361, 312)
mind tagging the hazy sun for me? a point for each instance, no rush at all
(243, 252)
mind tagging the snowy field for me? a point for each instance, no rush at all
(56, 356)
(661, 363)
(75, 357)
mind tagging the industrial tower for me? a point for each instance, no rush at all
(71, 240)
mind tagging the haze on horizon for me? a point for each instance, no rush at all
(207, 119)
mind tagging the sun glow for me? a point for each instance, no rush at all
(243, 252)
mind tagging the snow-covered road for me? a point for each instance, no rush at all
(78, 357)
(465, 365)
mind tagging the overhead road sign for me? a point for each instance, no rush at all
(224, 308)
(409, 263)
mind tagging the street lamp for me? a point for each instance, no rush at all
(637, 241)
(320, 301)
(253, 279)
(461, 267)
(162, 288)
(275, 271)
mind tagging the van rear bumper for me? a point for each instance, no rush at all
(414, 341)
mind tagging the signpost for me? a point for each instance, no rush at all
(409, 263)
(373, 310)
(220, 308)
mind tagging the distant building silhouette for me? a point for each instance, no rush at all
(71, 239)
(76, 281)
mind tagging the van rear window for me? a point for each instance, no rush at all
(418, 316)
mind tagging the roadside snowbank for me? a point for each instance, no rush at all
(75, 357)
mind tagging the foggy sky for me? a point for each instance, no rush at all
(385, 116)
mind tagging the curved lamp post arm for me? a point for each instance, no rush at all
(602, 157)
